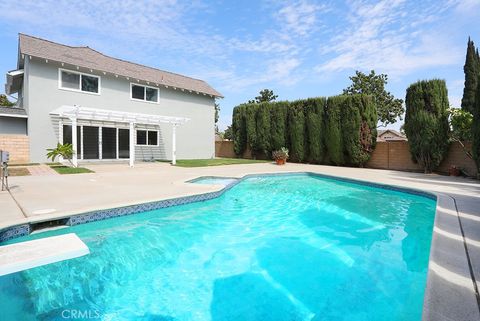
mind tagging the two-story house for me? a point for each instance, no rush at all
(107, 108)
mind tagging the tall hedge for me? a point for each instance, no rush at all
(476, 130)
(426, 122)
(263, 128)
(333, 130)
(338, 130)
(314, 123)
(359, 129)
(278, 124)
(239, 131)
(296, 130)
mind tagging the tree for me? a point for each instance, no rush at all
(296, 130)
(389, 108)
(217, 115)
(461, 128)
(476, 130)
(314, 113)
(278, 125)
(472, 72)
(5, 102)
(239, 130)
(228, 133)
(266, 95)
(333, 130)
(62, 150)
(263, 128)
(426, 122)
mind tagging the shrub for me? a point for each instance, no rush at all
(314, 111)
(278, 124)
(426, 122)
(239, 132)
(251, 127)
(282, 153)
(296, 130)
(476, 131)
(333, 130)
(263, 137)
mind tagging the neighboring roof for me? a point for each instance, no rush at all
(383, 131)
(91, 59)
(13, 112)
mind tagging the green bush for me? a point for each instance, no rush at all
(278, 124)
(239, 131)
(251, 127)
(263, 137)
(426, 122)
(333, 130)
(476, 130)
(296, 130)
(314, 112)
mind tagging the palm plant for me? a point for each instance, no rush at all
(62, 150)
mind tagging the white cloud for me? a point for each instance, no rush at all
(300, 17)
(382, 36)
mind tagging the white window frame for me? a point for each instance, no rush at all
(79, 90)
(144, 94)
(146, 142)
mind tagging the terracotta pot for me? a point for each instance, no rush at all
(280, 161)
(453, 171)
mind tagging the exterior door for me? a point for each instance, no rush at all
(123, 143)
(90, 142)
(109, 143)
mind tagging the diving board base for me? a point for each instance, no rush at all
(26, 255)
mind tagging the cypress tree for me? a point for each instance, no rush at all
(251, 127)
(476, 130)
(239, 132)
(296, 130)
(263, 128)
(314, 112)
(426, 122)
(333, 130)
(278, 125)
(472, 72)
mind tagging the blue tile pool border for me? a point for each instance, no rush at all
(12, 232)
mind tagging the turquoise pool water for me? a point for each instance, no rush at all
(279, 248)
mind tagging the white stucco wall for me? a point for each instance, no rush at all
(195, 139)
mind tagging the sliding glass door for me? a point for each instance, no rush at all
(90, 143)
(115, 142)
(109, 143)
(123, 143)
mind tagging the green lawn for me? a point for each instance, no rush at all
(216, 162)
(61, 169)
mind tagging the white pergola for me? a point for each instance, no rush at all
(75, 113)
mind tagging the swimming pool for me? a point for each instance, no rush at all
(278, 248)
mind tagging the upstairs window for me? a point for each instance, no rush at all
(144, 93)
(77, 81)
(147, 137)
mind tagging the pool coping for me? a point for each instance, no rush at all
(450, 293)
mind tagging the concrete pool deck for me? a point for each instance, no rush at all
(455, 256)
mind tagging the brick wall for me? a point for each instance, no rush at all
(18, 146)
(456, 156)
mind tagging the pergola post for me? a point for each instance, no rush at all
(174, 144)
(60, 133)
(74, 142)
(132, 144)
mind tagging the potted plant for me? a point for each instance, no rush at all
(454, 170)
(280, 156)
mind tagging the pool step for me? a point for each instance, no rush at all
(26, 255)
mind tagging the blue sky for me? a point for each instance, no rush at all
(297, 48)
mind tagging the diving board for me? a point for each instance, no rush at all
(26, 255)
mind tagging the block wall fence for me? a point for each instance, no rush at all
(17, 146)
(393, 155)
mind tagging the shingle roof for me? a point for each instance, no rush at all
(91, 59)
(12, 111)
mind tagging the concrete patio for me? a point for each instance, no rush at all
(456, 261)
